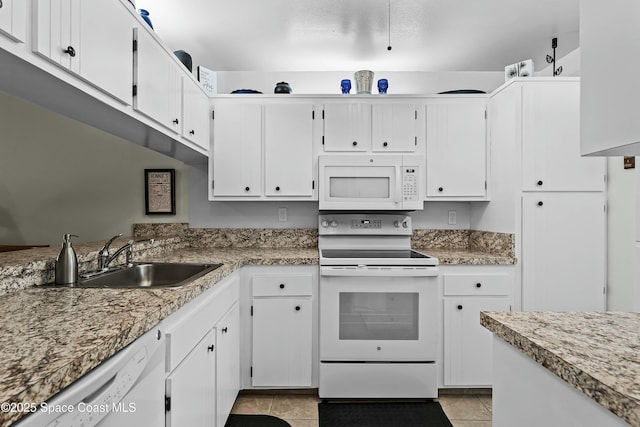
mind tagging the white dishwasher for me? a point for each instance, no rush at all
(127, 390)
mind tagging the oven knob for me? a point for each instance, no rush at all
(396, 224)
(324, 223)
(404, 224)
(333, 224)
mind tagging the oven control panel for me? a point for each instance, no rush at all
(367, 223)
(381, 224)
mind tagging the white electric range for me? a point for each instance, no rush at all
(378, 309)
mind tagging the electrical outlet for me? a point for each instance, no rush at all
(453, 217)
(282, 214)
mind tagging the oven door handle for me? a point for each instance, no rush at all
(375, 271)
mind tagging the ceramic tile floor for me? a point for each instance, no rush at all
(301, 410)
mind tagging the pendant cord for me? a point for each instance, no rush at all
(389, 45)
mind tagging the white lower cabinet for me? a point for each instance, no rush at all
(227, 363)
(467, 345)
(203, 358)
(283, 327)
(192, 386)
(282, 342)
(564, 251)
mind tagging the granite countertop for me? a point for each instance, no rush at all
(52, 336)
(467, 257)
(597, 353)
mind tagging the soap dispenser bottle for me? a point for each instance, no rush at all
(67, 263)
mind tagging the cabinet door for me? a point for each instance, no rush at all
(13, 19)
(236, 163)
(107, 61)
(609, 104)
(456, 149)
(551, 158)
(195, 113)
(288, 151)
(227, 363)
(191, 387)
(282, 342)
(158, 82)
(468, 356)
(57, 31)
(563, 252)
(394, 127)
(347, 127)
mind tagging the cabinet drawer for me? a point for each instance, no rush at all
(279, 285)
(478, 284)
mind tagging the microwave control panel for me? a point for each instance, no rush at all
(410, 183)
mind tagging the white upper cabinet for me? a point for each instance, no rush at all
(236, 154)
(158, 84)
(263, 151)
(107, 61)
(288, 134)
(92, 38)
(551, 158)
(195, 113)
(13, 19)
(347, 127)
(394, 127)
(456, 148)
(57, 31)
(609, 38)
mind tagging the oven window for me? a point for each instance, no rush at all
(358, 187)
(378, 316)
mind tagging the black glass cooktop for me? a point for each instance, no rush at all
(373, 253)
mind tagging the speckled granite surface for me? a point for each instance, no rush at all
(22, 269)
(52, 336)
(597, 353)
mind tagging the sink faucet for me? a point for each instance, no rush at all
(104, 258)
(103, 255)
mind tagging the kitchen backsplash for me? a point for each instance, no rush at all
(472, 240)
(233, 237)
(31, 267)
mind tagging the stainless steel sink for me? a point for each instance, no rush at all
(149, 275)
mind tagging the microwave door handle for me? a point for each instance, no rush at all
(398, 193)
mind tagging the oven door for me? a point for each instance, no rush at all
(378, 314)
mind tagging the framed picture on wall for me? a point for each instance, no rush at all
(160, 191)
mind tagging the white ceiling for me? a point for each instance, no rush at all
(331, 35)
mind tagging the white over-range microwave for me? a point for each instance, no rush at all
(371, 181)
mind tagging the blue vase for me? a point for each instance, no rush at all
(383, 85)
(345, 86)
(145, 15)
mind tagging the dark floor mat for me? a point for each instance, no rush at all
(382, 414)
(235, 420)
